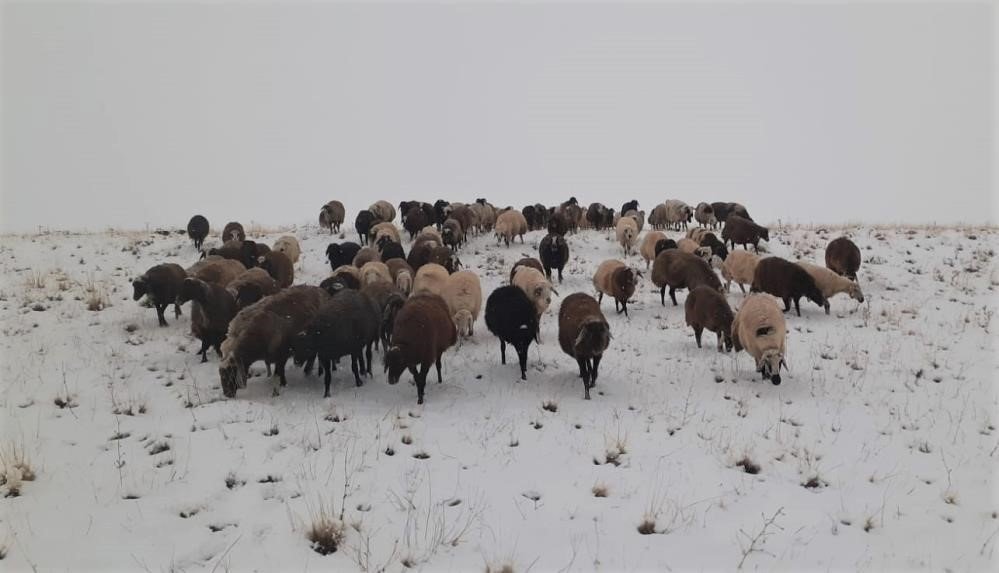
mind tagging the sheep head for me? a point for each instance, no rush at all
(404, 280)
(463, 321)
(765, 234)
(304, 347)
(625, 280)
(232, 375)
(395, 364)
(769, 364)
(593, 338)
(139, 288)
(854, 291)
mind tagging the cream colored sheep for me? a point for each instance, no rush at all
(739, 268)
(759, 328)
(639, 217)
(535, 286)
(348, 270)
(614, 278)
(375, 272)
(289, 246)
(365, 256)
(383, 210)
(831, 283)
(627, 234)
(463, 295)
(430, 278)
(509, 225)
(385, 229)
(648, 247)
(429, 233)
(691, 246)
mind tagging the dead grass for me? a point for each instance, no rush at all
(15, 469)
(325, 532)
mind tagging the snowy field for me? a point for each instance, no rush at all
(877, 452)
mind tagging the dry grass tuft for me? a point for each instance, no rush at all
(15, 469)
(325, 532)
(648, 525)
(600, 489)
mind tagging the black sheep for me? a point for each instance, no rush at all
(530, 214)
(340, 281)
(742, 231)
(663, 244)
(786, 281)
(554, 254)
(557, 224)
(197, 229)
(341, 254)
(441, 210)
(389, 249)
(717, 247)
(363, 222)
(511, 316)
(629, 206)
(675, 269)
(212, 308)
(415, 220)
(162, 283)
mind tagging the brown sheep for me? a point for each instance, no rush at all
(279, 266)
(613, 277)
(583, 333)
(216, 270)
(365, 256)
(742, 231)
(706, 308)
(423, 330)
(212, 308)
(786, 281)
(843, 257)
(331, 216)
(675, 269)
(233, 231)
(251, 286)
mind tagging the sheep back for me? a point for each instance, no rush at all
(843, 257)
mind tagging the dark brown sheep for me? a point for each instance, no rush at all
(446, 258)
(245, 252)
(554, 253)
(741, 231)
(843, 257)
(331, 216)
(423, 330)
(233, 231)
(279, 266)
(212, 308)
(252, 286)
(452, 233)
(217, 270)
(197, 229)
(786, 281)
(676, 269)
(528, 261)
(389, 299)
(464, 215)
(162, 284)
(583, 333)
(415, 220)
(706, 308)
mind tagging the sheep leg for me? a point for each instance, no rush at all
(742, 288)
(585, 368)
(698, 330)
(797, 308)
(582, 369)
(594, 368)
(205, 344)
(600, 298)
(560, 274)
(624, 307)
(826, 306)
(160, 309)
(355, 358)
(522, 355)
(325, 364)
(502, 352)
(662, 295)
(421, 382)
(787, 304)
(368, 352)
(672, 296)
(308, 365)
(279, 367)
(438, 365)
(176, 310)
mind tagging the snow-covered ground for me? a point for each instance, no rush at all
(878, 450)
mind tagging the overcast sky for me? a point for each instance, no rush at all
(117, 115)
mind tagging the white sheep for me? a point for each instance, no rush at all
(431, 278)
(831, 283)
(510, 224)
(375, 272)
(759, 328)
(648, 247)
(289, 246)
(705, 215)
(739, 267)
(429, 233)
(535, 286)
(678, 213)
(385, 230)
(463, 295)
(627, 234)
(638, 216)
(383, 210)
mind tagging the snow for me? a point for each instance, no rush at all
(889, 410)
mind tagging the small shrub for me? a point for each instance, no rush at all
(325, 532)
(599, 490)
(550, 406)
(232, 482)
(748, 465)
(647, 526)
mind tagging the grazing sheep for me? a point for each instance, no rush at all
(363, 223)
(346, 324)
(198, 229)
(415, 220)
(554, 253)
(535, 286)
(212, 308)
(264, 331)
(704, 214)
(463, 294)
(742, 231)
(389, 249)
(583, 333)
(340, 254)
(759, 328)
(711, 241)
(627, 233)
(843, 257)
(431, 278)
(786, 281)
(383, 211)
(706, 308)
(388, 300)
(216, 270)
(423, 330)
(657, 218)
(375, 272)
(161, 284)
(723, 210)
(384, 230)
(289, 246)
(663, 244)
(251, 286)
(739, 267)
(648, 246)
(614, 278)
(676, 269)
(233, 231)
(245, 252)
(831, 283)
(331, 216)
(452, 234)
(279, 266)
(402, 274)
(365, 256)
(527, 261)
(511, 316)
(691, 246)
(509, 225)
(347, 276)
(678, 214)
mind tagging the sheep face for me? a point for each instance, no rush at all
(383, 241)
(663, 244)
(855, 293)
(593, 339)
(542, 295)
(625, 281)
(395, 364)
(765, 233)
(232, 374)
(139, 288)
(463, 322)
(769, 364)
(304, 347)
(404, 281)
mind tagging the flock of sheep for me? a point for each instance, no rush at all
(417, 305)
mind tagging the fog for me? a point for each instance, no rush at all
(127, 116)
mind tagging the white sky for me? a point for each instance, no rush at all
(117, 115)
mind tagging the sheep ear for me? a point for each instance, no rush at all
(554, 290)
(782, 364)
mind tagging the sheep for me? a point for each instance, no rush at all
(212, 308)
(161, 284)
(198, 229)
(787, 281)
(657, 218)
(739, 267)
(429, 234)
(452, 234)
(595, 215)
(583, 334)
(739, 230)
(217, 270)
(445, 257)
(678, 213)
(347, 276)
(613, 277)
(691, 246)
(389, 249)
(843, 257)
(572, 213)
(388, 299)
(711, 241)
(331, 216)
(706, 308)
(630, 206)
(365, 256)
(557, 224)
(423, 330)
(466, 217)
(414, 221)
(509, 225)
(402, 274)
(347, 323)
(723, 210)
(264, 331)
(289, 246)
(383, 211)
(340, 254)
(384, 230)
(554, 253)
(696, 233)
(511, 317)
(535, 286)
(831, 283)
(442, 210)
(759, 328)
(245, 252)
(363, 223)
(251, 286)
(487, 215)
(233, 231)
(375, 272)
(676, 269)
(419, 253)
(530, 213)
(648, 247)
(627, 233)
(527, 261)
(638, 216)
(279, 266)
(542, 214)
(664, 244)
(704, 214)
(431, 278)
(463, 294)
